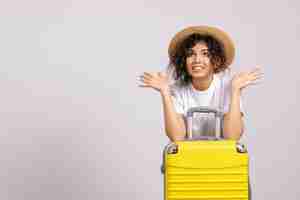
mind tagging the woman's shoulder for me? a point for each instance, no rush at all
(179, 89)
(179, 86)
(224, 76)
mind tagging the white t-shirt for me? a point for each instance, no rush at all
(217, 96)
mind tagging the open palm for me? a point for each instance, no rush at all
(157, 80)
(244, 79)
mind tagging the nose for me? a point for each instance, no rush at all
(198, 58)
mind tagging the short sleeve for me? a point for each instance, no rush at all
(177, 99)
(226, 77)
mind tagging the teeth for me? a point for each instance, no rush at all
(198, 68)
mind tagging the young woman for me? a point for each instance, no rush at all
(199, 58)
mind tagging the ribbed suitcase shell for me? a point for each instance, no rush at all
(205, 170)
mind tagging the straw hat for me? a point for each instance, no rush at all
(216, 33)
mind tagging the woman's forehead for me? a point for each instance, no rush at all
(201, 45)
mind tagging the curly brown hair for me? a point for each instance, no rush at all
(178, 60)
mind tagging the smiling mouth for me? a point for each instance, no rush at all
(198, 67)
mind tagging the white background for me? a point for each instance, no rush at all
(73, 123)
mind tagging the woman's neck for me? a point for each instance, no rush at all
(202, 84)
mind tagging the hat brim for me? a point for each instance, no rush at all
(216, 33)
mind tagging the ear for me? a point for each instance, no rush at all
(217, 64)
(216, 67)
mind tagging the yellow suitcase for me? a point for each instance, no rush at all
(210, 169)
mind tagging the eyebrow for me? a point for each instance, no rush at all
(200, 50)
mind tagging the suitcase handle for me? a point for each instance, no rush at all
(190, 113)
(203, 109)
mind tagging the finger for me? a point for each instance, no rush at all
(140, 77)
(144, 81)
(256, 82)
(150, 74)
(257, 67)
(143, 78)
(146, 74)
(146, 78)
(253, 75)
(241, 74)
(140, 82)
(256, 73)
(256, 78)
(144, 85)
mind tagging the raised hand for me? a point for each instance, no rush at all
(244, 79)
(157, 80)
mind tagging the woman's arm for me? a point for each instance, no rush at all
(233, 122)
(174, 123)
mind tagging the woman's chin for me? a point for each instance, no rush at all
(200, 75)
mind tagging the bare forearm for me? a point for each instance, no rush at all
(233, 122)
(174, 125)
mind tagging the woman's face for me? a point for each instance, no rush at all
(198, 62)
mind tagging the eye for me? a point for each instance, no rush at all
(206, 53)
(190, 53)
